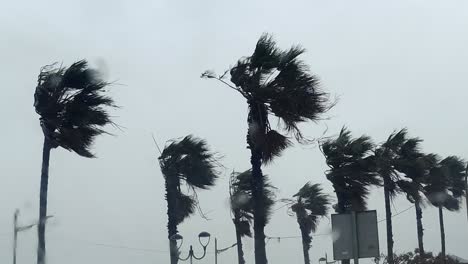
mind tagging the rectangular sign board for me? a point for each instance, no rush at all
(344, 235)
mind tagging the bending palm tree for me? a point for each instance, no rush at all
(71, 108)
(445, 188)
(273, 82)
(309, 205)
(388, 157)
(191, 162)
(242, 206)
(415, 167)
(351, 170)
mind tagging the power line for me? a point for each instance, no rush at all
(399, 213)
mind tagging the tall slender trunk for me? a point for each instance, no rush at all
(466, 190)
(41, 245)
(388, 216)
(259, 216)
(257, 127)
(442, 233)
(172, 220)
(420, 228)
(306, 240)
(240, 251)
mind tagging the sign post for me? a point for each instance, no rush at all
(355, 235)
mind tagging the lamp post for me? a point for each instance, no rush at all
(17, 229)
(203, 239)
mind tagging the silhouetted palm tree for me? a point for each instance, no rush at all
(273, 82)
(186, 162)
(388, 158)
(351, 170)
(445, 188)
(71, 106)
(242, 206)
(309, 205)
(415, 166)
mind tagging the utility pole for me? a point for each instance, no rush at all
(466, 189)
(17, 229)
(15, 234)
(216, 251)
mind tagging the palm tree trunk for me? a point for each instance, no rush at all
(259, 217)
(306, 240)
(442, 232)
(257, 118)
(388, 216)
(172, 220)
(420, 228)
(41, 245)
(240, 251)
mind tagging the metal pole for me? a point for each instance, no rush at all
(466, 189)
(15, 234)
(216, 251)
(355, 237)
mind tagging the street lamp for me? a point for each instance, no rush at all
(203, 239)
(17, 229)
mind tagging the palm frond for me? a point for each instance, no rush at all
(311, 204)
(185, 206)
(241, 196)
(273, 145)
(281, 82)
(191, 160)
(352, 168)
(72, 106)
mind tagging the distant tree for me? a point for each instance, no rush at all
(417, 258)
(445, 187)
(188, 162)
(274, 83)
(309, 205)
(388, 157)
(72, 111)
(242, 206)
(351, 170)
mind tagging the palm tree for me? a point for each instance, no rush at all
(351, 170)
(415, 166)
(388, 157)
(186, 161)
(309, 205)
(71, 106)
(273, 82)
(242, 206)
(444, 189)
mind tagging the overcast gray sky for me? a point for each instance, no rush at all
(393, 64)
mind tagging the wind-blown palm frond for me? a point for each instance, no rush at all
(241, 200)
(444, 185)
(188, 161)
(351, 170)
(311, 203)
(185, 206)
(191, 160)
(71, 104)
(398, 155)
(280, 83)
